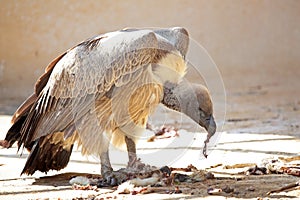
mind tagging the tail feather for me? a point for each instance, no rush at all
(48, 152)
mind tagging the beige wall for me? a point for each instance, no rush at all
(245, 34)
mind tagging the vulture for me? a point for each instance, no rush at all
(101, 92)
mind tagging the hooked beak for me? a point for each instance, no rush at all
(211, 126)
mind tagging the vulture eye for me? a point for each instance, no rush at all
(202, 114)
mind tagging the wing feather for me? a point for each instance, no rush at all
(42, 81)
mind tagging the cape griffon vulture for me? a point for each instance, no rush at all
(102, 91)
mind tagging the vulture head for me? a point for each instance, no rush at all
(195, 102)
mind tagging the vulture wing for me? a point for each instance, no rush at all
(65, 94)
(81, 75)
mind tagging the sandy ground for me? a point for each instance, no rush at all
(262, 122)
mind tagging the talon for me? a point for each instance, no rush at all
(113, 178)
(113, 181)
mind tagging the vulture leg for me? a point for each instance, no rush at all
(106, 168)
(110, 177)
(131, 151)
(113, 178)
(134, 163)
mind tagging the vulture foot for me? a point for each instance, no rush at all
(112, 178)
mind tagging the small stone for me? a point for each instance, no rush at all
(80, 180)
(227, 189)
(209, 175)
(166, 170)
(213, 191)
(181, 177)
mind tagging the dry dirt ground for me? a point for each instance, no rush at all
(262, 123)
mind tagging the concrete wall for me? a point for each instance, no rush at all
(245, 34)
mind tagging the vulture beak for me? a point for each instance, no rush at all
(210, 126)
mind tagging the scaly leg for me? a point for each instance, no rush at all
(131, 148)
(106, 168)
(110, 177)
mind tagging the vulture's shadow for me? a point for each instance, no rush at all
(61, 179)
